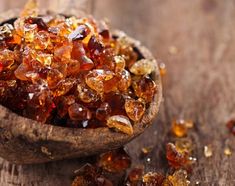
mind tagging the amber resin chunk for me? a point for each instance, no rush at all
(114, 161)
(120, 123)
(71, 71)
(178, 158)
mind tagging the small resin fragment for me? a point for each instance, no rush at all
(145, 151)
(85, 94)
(227, 151)
(179, 177)
(119, 63)
(143, 67)
(231, 126)
(79, 112)
(178, 159)
(103, 112)
(88, 175)
(208, 152)
(134, 109)
(162, 68)
(180, 127)
(79, 33)
(97, 78)
(6, 31)
(125, 80)
(120, 123)
(134, 177)
(144, 88)
(114, 161)
(184, 145)
(153, 178)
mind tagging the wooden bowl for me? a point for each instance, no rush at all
(25, 141)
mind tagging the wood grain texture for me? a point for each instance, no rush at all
(199, 85)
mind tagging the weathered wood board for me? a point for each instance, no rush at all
(196, 40)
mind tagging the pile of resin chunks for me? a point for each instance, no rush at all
(71, 71)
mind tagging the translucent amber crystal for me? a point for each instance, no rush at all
(120, 123)
(42, 40)
(208, 152)
(178, 159)
(103, 111)
(6, 31)
(79, 53)
(79, 112)
(63, 87)
(45, 59)
(134, 109)
(135, 177)
(79, 33)
(89, 175)
(144, 88)
(85, 94)
(30, 31)
(179, 128)
(7, 58)
(184, 145)
(63, 104)
(21, 71)
(53, 77)
(125, 80)
(116, 102)
(97, 78)
(153, 178)
(63, 52)
(143, 67)
(114, 161)
(231, 126)
(119, 63)
(179, 178)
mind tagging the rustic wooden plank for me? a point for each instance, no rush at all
(199, 85)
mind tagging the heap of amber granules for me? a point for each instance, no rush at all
(70, 71)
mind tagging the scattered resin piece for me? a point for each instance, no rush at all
(88, 175)
(143, 67)
(120, 123)
(208, 152)
(71, 71)
(179, 178)
(134, 109)
(162, 68)
(145, 151)
(227, 151)
(180, 127)
(231, 126)
(177, 159)
(153, 178)
(184, 145)
(114, 161)
(134, 177)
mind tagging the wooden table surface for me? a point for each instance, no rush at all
(196, 40)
